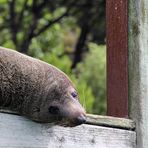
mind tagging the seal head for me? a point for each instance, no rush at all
(61, 104)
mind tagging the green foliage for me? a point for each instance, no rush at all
(85, 93)
(55, 46)
(50, 41)
(93, 72)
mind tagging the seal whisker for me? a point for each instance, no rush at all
(84, 99)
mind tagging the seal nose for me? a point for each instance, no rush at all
(81, 119)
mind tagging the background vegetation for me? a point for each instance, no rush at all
(69, 34)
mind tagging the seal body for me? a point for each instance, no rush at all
(37, 90)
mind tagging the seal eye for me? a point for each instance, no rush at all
(74, 94)
(53, 110)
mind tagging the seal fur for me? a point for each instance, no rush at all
(30, 86)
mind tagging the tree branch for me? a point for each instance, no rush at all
(80, 46)
(13, 25)
(50, 23)
(22, 14)
(36, 12)
(42, 5)
(85, 25)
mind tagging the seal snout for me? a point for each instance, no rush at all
(80, 119)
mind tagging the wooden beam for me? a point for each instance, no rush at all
(91, 119)
(17, 131)
(112, 122)
(138, 68)
(117, 59)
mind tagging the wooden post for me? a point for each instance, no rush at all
(138, 68)
(117, 65)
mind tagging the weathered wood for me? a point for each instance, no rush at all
(17, 131)
(91, 119)
(138, 68)
(110, 122)
(117, 59)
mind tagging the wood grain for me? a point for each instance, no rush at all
(138, 68)
(18, 132)
(108, 121)
(92, 119)
(117, 59)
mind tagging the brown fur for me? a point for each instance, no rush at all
(29, 86)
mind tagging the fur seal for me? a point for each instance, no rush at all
(37, 90)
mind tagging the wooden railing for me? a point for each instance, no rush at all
(103, 132)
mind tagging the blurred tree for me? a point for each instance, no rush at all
(92, 70)
(59, 33)
(27, 19)
(90, 16)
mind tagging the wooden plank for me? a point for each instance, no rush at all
(117, 59)
(17, 131)
(92, 119)
(138, 68)
(113, 122)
